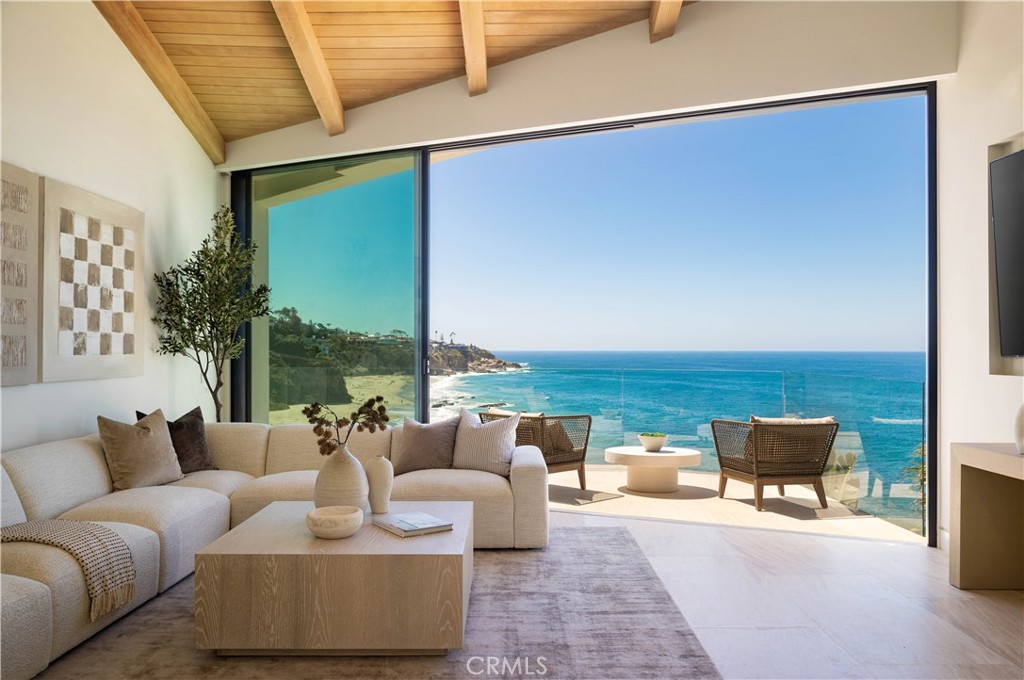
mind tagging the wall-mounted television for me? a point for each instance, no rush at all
(1006, 189)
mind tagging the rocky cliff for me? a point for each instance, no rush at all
(446, 359)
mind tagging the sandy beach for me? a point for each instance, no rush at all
(397, 391)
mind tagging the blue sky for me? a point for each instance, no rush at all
(801, 229)
(796, 230)
(345, 258)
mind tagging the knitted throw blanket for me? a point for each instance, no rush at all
(103, 555)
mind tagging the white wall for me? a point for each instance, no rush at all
(723, 52)
(982, 106)
(77, 108)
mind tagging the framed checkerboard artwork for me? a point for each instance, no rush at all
(94, 312)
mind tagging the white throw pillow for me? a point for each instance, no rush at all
(485, 446)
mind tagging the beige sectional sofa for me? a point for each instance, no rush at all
(45, 602)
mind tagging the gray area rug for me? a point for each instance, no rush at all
(590, 606)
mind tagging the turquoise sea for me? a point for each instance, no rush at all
(878, 397)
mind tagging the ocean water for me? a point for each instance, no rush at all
(878, 398)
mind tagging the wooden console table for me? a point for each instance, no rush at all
(986, 540)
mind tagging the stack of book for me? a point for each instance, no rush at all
(406, 524)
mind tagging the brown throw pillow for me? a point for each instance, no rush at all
(427, 446)
(188, 435)
(139, 454)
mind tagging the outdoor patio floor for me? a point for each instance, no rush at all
(697, 501)
(796, 591)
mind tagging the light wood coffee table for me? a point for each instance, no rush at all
(652, 471)
(269, 586)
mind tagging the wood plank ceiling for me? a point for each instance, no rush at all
(234, 69)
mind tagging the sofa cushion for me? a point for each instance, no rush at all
(61, 573)
(493, 503)
(253, 496)
(238, 446)
(141, 454)
(185, 520)
(11, 511)
(27, 625)
(485, 446)
(53, 478)
(224, 482)
(426, 446)
(188, 437)
(294, 447)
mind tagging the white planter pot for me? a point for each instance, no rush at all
(380, 474)
(341, 481)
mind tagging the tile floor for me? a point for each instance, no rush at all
(770, 602)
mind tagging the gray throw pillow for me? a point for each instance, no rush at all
(139, 454)
(427, 446)
(188, 435)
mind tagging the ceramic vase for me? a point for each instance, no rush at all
(341, 481)
(381, 476)
(1018, 430)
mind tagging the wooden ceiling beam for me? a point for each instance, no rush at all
(663, 18)
(140, 41)
(304, 45)
(474, 44)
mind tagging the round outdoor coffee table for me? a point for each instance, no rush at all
(652, 472)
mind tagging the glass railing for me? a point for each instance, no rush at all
(876, 462)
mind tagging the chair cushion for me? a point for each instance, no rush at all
(426, 446)
(11, 511)
(792, 421)
(224, 482)
(294, 447)
(188, 436)
(54, 477)
(27, 614)
(141, 454)
(239, 446)
(61, 573)
(491, 494)
(185, 520)
(254, 495)
(485, 446)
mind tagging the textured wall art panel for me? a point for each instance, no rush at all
(94, 314)
(19, 276)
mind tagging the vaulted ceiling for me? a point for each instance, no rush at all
(236, 69)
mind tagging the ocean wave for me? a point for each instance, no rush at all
(897, 421)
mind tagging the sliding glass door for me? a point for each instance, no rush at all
(337, 246)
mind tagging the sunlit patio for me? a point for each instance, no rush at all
(697, 501)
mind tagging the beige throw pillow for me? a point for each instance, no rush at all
(427, 446)
(792, 421)
(485, 446)
(140, 454)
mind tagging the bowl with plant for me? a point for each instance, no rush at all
(653, 441)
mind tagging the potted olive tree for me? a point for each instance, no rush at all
(202, 302)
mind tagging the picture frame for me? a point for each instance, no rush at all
(94, 311)
(20, 264)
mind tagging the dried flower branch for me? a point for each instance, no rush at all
(372, 415)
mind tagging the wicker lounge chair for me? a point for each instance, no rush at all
(561, 439)
(780, 454)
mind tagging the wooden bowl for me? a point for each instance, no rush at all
(334, 521)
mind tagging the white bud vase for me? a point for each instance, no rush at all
(341, 481)
(381, 476)
(1018, 430)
